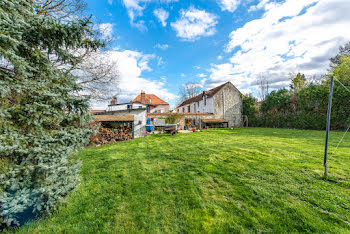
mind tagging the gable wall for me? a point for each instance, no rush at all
(228, 105)
(158, 108)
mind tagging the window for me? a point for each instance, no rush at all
(205, 99)
(198, 104)
(129, 107)
(150, 100)
(183, 109)
(161, 110)
(188, 108)
(194, 107)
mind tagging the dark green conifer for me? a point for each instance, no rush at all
(42, 119)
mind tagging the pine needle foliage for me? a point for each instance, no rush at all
(42, 119)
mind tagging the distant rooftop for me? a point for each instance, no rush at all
(149, 99)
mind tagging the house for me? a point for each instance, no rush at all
(154, 103)
(133, 113)
(224, 102)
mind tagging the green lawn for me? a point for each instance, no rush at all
(242, 180)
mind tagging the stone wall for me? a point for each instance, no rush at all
(228, 105)
(163, 108)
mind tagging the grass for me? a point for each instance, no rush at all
(242, 180)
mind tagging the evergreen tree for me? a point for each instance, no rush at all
(42, 119)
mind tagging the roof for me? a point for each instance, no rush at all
(214, 121)
(155, 100)
(210, 93)
(114, 118)
(96, 111)
(125, 103)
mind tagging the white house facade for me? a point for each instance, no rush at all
(224, 101)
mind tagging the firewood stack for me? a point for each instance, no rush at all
(109, 135)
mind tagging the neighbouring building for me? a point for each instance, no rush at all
(154, 103)
(125, 110)
(224, 102)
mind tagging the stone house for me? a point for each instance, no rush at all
(154, 103)
(224, 102)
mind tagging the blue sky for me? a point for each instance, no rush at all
(160, 45)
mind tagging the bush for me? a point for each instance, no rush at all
(172, 119)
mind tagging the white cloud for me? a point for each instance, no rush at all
(110, 2)
(162, 47)
(160, 61)
(162, 16)
(222, 73)
(201, 75)
(197, 67)
(246, 91)
(228, 5)
(191, 86)
(294, 36)
(182, 75)
(131, 65)
(106, 30)
(135, 9)
(219, 57)
(194, 24)
(260, 5)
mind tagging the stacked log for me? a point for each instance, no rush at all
(109, 135)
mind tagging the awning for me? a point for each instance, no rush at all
(214, 121)
(114, 118)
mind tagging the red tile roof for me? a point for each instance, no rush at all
(154, 100)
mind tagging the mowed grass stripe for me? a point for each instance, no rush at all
(242, 180)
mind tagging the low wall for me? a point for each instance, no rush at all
(194, 118)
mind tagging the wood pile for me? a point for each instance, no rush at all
(109, 135)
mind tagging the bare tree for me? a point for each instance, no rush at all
(61, 9)
(189, 90)
(262, 83)
(97, 73)
(314, 79)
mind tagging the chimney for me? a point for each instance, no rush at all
(114, 101)
(143, 96)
